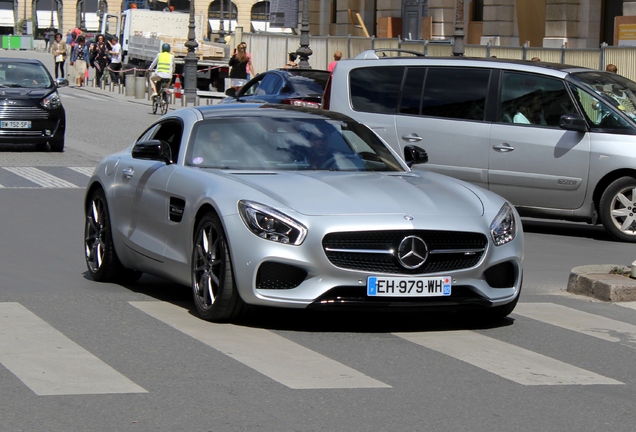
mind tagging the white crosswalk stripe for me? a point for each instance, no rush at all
(506, 360)
(49, 363)
(581, 322)
(48, 177)
(41, 178)
(87, 171)
(299, 368)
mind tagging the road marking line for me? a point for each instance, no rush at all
(508, 361)
(272, 355)
(41, 178)
(87, 171)
(581, 322)
(631, 305)
(49, 363)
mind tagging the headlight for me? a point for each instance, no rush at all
(271, 224)
(503, 228)
(52, 101)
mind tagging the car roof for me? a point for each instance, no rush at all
(555, 69)
(267, 110)
(20, 60)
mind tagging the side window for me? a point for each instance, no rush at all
(411, 101)
(456, 93)
(270, 84)
(170, 131)
(597, 111)
(148, 133)
(533, 100)
(252, 89)
(376, 89)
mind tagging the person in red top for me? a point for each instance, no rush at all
(336, 58)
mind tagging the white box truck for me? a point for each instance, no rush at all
(141, 33)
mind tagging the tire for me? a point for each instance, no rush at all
(164, 103)
(101, 258)
(617, 209)
(493, 314)
(57, 145)
(214, 289)
(155, 105)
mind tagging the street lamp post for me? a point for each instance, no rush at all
(458, 35)
(190, 60)
(304, 51)
(221, 38)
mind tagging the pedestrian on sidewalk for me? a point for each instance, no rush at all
(79, 59)
(46, 39)
(58, 48)
(99, 57)
(115, 60)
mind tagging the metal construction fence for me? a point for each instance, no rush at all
(270, 51)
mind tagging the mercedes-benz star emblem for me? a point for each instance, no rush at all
(412, 252)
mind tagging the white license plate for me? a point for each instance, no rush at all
(15, 124)
(408, 287)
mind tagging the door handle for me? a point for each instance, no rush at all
(412, 137)
(128, 172)
(503, 148)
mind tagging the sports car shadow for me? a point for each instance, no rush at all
(301, 320)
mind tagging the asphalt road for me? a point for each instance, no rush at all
(81, 356)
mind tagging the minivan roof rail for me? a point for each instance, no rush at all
(383, 52)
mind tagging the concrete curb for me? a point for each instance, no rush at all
(596, 281)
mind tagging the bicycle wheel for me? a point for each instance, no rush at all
(155, 104)
(164, 103)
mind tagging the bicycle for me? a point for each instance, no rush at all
(160, 100)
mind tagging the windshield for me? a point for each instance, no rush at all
(265, 143)
(612, 88)
(31, 75)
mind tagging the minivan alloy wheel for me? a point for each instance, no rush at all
(618, 209)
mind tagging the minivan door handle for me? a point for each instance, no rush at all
(503, 148)
(413, 137)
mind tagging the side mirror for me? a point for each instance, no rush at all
(157, 150)
(414, 155)
(573, 122)
(231, 92)
(61, 82)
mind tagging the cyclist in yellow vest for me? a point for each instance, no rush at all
(164, 62)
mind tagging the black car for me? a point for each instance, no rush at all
(294, 86)
(31, 111)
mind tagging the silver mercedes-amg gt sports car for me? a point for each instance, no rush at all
(302, 208)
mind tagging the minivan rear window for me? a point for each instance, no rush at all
(376, 89)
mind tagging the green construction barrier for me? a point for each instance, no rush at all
(17, 42)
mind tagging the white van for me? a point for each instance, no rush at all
(557, 141)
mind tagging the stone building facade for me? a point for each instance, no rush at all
(547, 23)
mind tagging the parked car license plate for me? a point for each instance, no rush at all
(408, 287)
(15, 124)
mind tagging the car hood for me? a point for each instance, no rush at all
(328, 193)
(22, 93)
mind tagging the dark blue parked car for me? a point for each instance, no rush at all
(299, 87)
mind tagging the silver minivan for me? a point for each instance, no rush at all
(557, 141)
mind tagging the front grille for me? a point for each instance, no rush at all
(369, 250)
(273, 275)
(22, 113)
(22, 133)
(501, 275)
